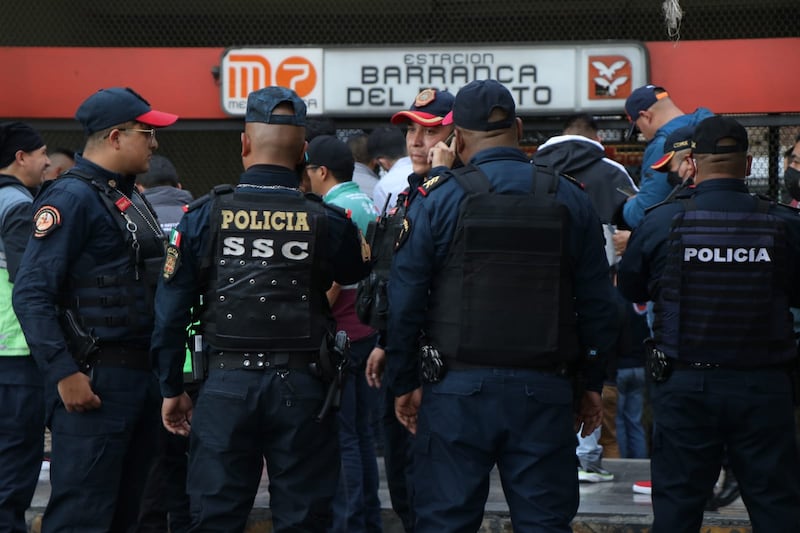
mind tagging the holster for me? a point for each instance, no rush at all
(82, 343)
(657, 364)
(334, 357)
(431, 365)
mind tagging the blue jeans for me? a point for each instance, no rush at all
(519, 420)
(356, 507)
(630, 402)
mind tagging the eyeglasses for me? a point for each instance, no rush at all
(151, 132)
(311, 167)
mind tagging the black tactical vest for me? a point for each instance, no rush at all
(723, 297)
(115, 298)
(266, 290)
(372, 304)
(505, 294)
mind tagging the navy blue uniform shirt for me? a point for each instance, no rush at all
(640, 270)
(433, 223)
(175, 298)
(85, 226)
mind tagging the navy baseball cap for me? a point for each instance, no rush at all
(709, 133)
(679, 139)
(642, 99)
(475, 102)
(117, 105)
(328, 151)
(429, 108)
(261, 104)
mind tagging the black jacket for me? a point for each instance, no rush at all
(586, 161)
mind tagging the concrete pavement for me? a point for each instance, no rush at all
(609, 507)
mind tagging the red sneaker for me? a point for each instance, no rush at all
(643, 487)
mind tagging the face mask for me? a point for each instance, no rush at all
(791, 179)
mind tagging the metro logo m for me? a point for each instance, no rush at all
(249, 72)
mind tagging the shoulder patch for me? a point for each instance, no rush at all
(172, 260)
(402, 237)
(46, 220)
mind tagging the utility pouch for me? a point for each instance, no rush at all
(432, 367)
(658, 365)
(82, 344)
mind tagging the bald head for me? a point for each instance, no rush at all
(722, 166)
(273, 144)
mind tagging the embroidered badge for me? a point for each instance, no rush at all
(403, 235)
(172, 261)
(425, 97)
(46, 220)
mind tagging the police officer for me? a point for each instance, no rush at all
(84, 298)
(502, 266)
(426, 128)
(23, 161)
(263, 256)
(721, 266)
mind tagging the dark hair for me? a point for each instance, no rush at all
(162, 172)
(358, 145)
(387, 141)
(319, 126)
(581, 124)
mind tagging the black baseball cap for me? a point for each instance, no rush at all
(328, 151)
(709, 133)
(261, 104)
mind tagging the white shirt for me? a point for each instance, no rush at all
(394, 182)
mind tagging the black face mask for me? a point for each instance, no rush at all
(673, 178)
(791, 180)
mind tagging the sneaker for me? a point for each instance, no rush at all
(594, 473)
(643, 487)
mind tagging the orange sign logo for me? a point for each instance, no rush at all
(610, 77)
(298, 74)
(250, 72)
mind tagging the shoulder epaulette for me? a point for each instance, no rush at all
(431, 183)
(215, 191)
(572, 180)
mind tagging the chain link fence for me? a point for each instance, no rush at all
(205, 157)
